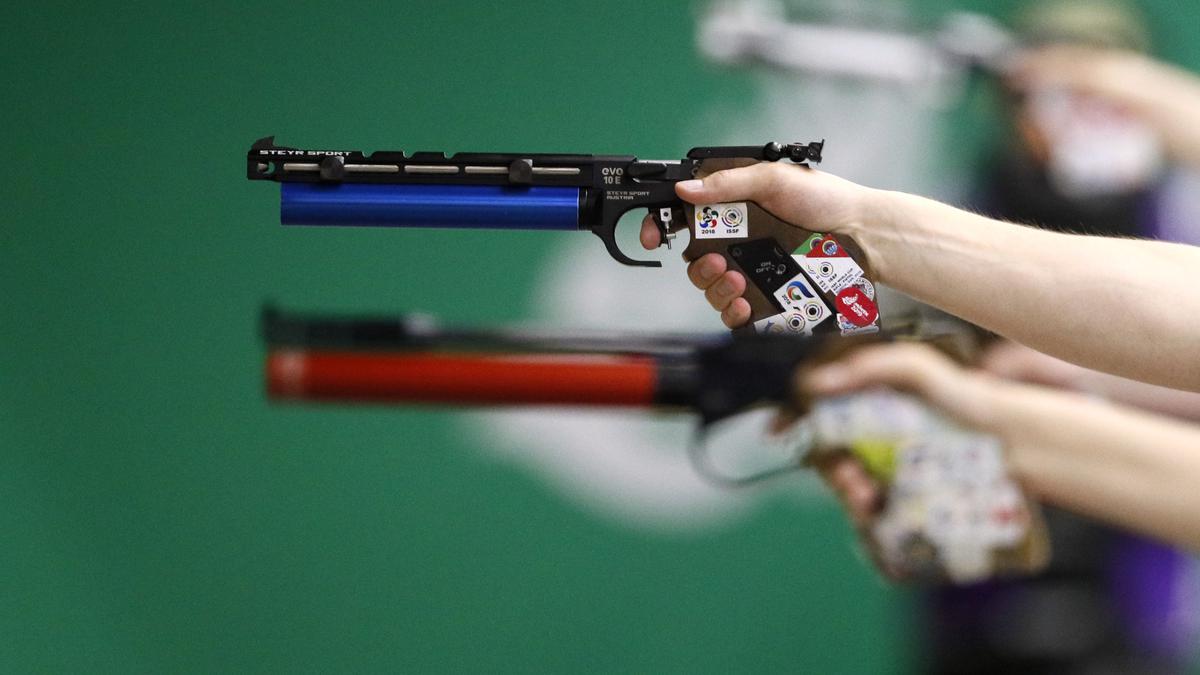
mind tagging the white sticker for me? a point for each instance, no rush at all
(799, 296)
(950, 505)
(722, 221)
(849, 328)
(1007, 518)
(771, 325)
(830, 274)
(865, 286)
(792, 322)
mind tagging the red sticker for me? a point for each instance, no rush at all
(827, 247)
(856, 307)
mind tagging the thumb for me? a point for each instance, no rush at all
(748, 183)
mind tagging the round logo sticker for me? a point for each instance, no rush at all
(856, 307)
(866, 287)
(797, 292)
(795, 322)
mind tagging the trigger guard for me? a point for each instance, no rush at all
(608, 235)
(701, 460)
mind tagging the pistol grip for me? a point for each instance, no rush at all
(771, 253)
(763, 253)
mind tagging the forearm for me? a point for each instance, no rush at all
(1150, 397)
(1115, 464)
(1117, 305)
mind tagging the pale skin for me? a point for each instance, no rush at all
(1126, 307)
(1011, 361)
(1164, 96)
(1116, 305)
(1115, 464)
(1167, 99)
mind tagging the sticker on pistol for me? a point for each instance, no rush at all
(825, 247)
(848, 328)
(829, 265)
(866, 287)
(831, 274)
(772, 325)
(856, 307)
(765, 264)
(799, 296)
(722, 221)
(792, 322)
(808, 245)
(951, 509)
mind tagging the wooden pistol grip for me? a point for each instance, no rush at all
(760, 225)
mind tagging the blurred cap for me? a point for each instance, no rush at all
(1099, 23)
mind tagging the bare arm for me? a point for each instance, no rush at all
(1012, 361)
(1121, 466)
(1122, 306)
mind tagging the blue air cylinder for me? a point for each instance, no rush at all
(408, 205)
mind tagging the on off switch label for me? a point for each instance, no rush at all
(722, 221)
(766, 265)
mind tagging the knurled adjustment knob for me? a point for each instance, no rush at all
(333, 167)
(520, 172)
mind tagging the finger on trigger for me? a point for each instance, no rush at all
(650, 236)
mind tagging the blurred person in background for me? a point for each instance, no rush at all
(1091, 117)
(1085, 153)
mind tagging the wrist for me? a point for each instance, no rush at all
(877, 219)
(1010, 423)
(1033, 423)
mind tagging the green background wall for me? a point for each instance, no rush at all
(156, 515)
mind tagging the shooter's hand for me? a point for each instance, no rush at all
(1165, 97)
(1128, 468)
(963, 395)
(804, 197)
(1117, 76)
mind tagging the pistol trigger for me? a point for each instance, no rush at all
(663, 220)
(608, 235)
